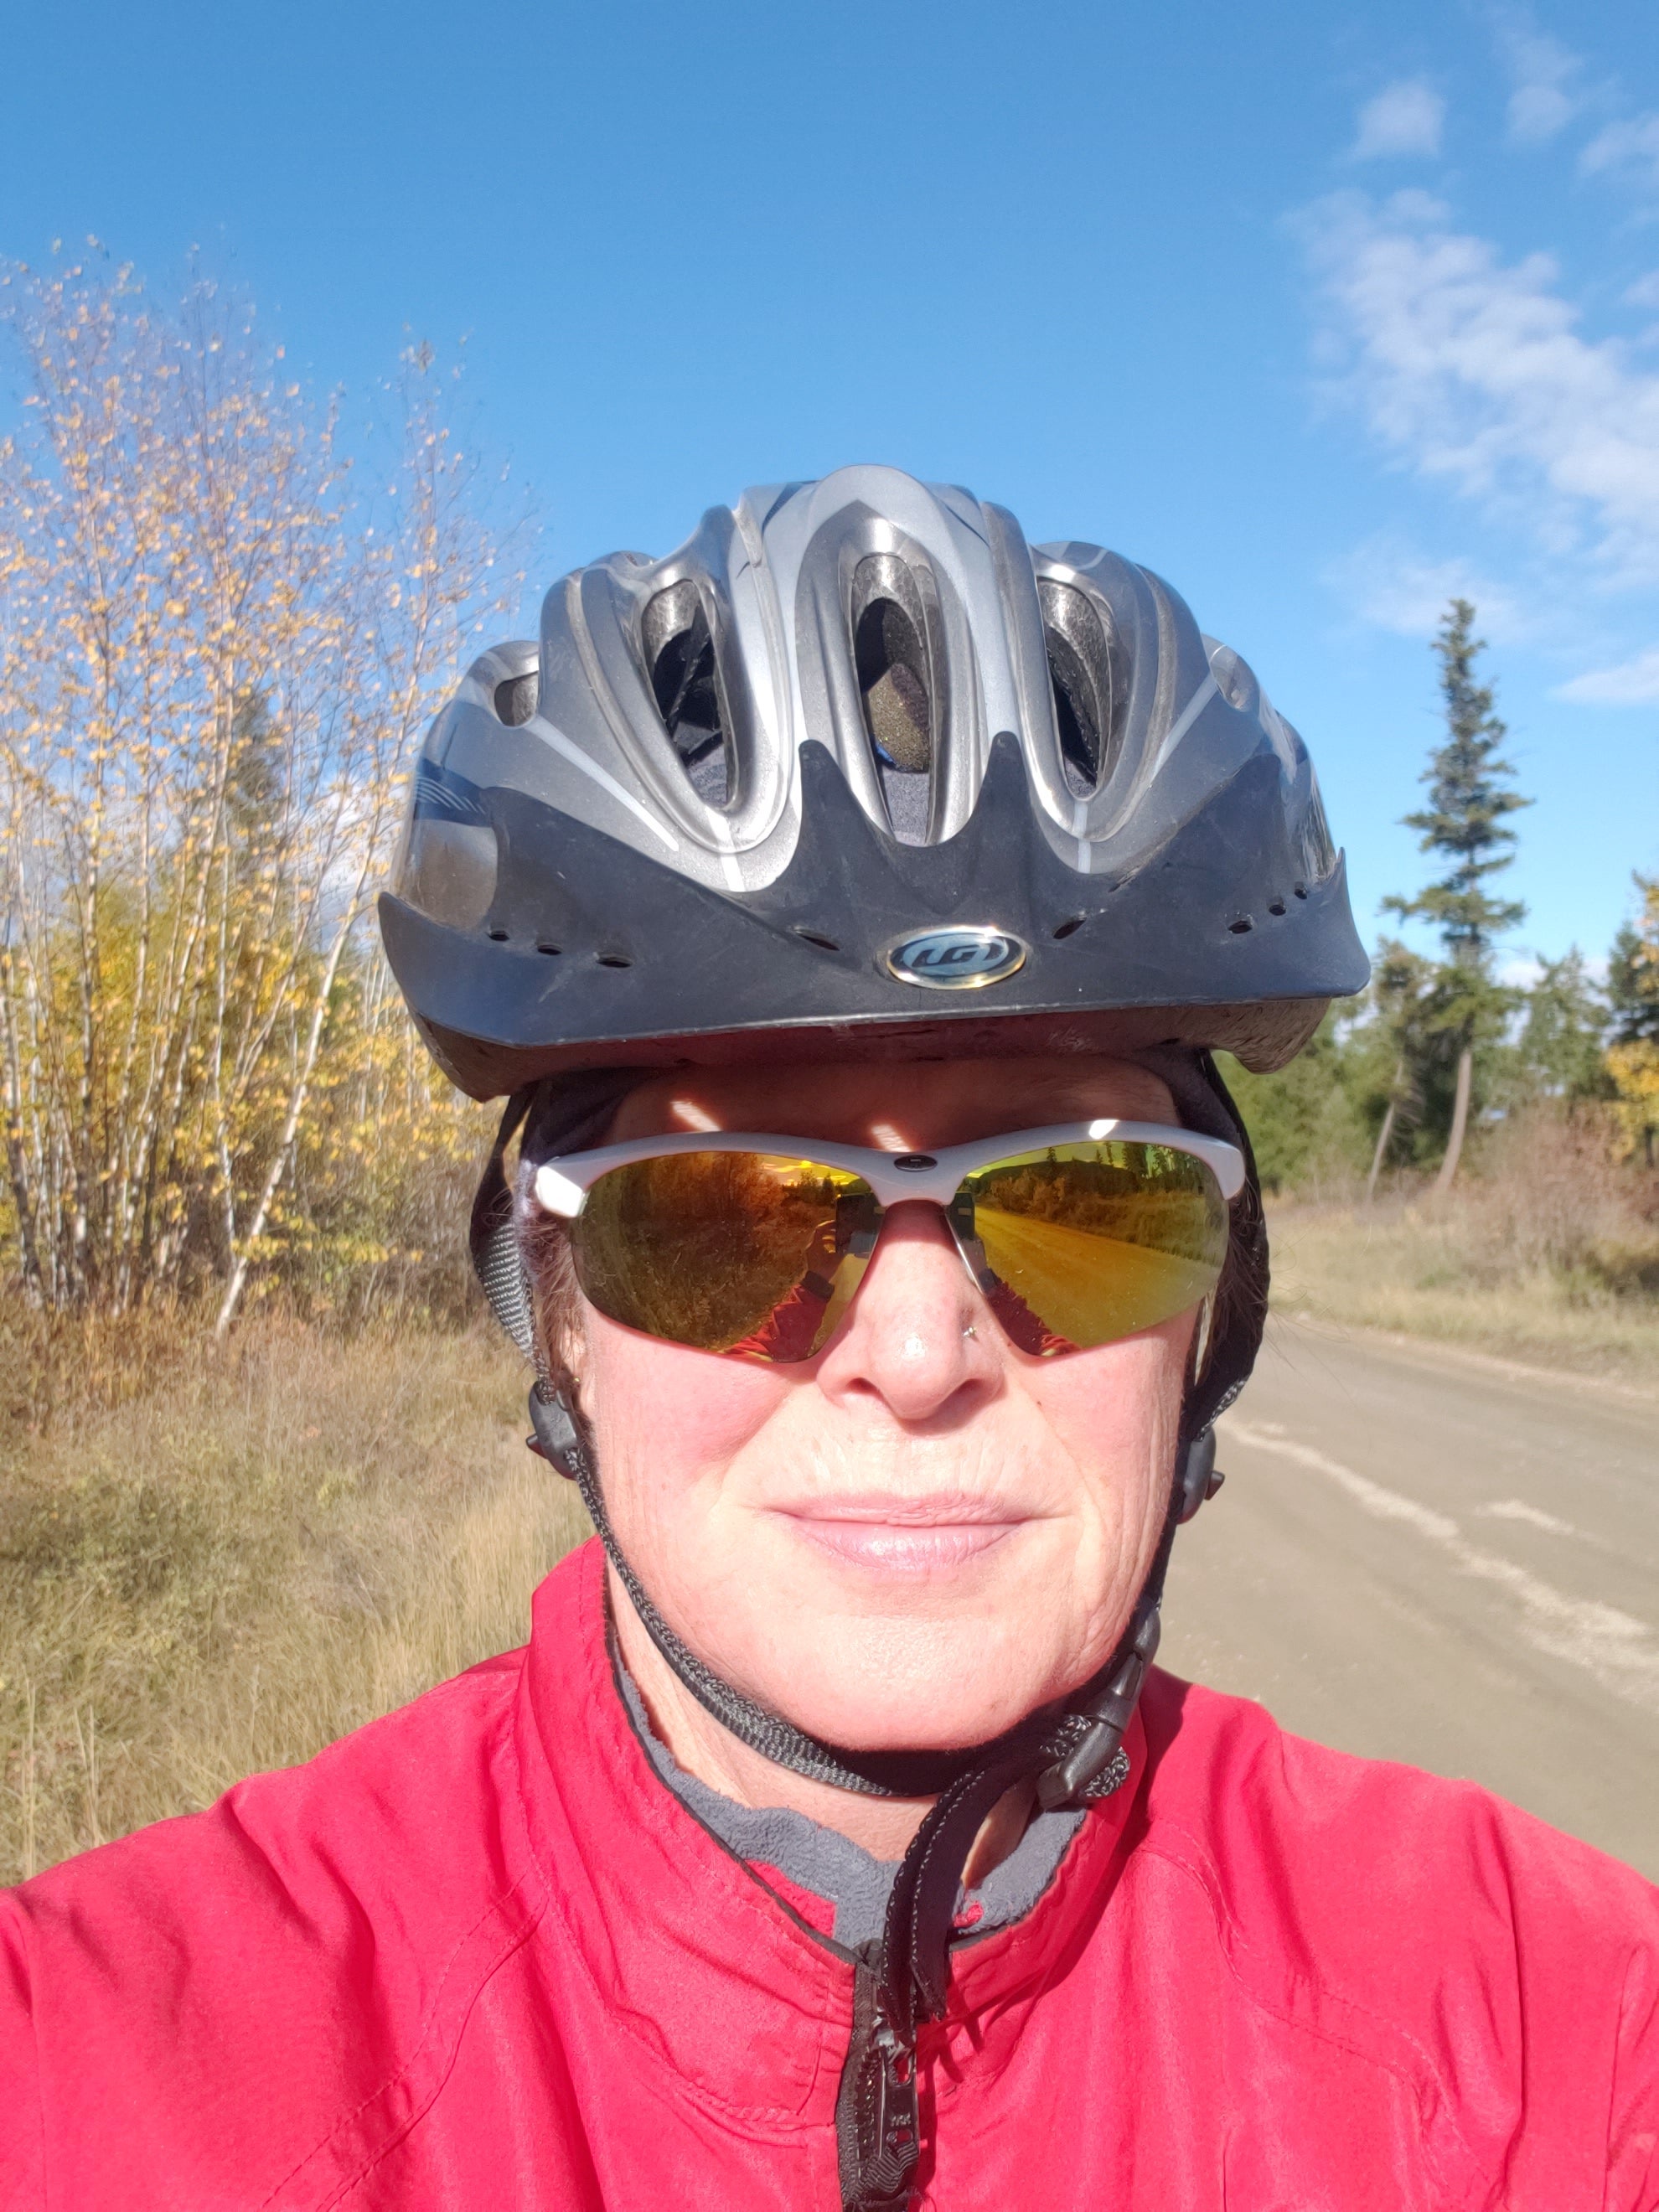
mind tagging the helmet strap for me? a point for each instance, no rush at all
(1073, 1755)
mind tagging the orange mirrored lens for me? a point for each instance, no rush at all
(725, 1251)
(1094, 1241)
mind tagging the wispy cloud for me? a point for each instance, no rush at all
(1628, 150)
(1632, 683)
(1404, 118)
(1543, 96)
(1395, 587)
(1474, 371)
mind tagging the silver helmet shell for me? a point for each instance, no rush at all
(856, 769)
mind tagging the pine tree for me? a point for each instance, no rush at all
(1468, 800)
(1633, 971)
(1633, 992)
(1559, 1052)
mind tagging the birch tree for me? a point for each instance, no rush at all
(219, 642)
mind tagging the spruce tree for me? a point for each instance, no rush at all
(1470, 799)
(1634, 972)
(1633, 1059)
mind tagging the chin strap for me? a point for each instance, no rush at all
(1073, 1757)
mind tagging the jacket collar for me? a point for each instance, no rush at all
(691, 1953)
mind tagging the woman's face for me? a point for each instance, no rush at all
(923, 1534)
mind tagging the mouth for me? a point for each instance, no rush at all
(904, 1535)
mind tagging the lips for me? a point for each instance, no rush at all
(904, 1536)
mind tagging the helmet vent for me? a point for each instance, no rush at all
(515, 699)
(1318, 846)
(1087, 707)
(892, 667)
(679, 653)
(896, 689)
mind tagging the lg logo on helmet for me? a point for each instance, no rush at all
(957, 959)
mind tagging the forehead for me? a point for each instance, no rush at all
(889, 1104)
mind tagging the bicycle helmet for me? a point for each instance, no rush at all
(857, 771)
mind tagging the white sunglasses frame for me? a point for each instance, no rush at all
(562, 1184)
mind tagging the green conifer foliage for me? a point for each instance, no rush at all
(1466, 821)
(1633, 971)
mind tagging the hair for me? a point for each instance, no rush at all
(1239, 1314)
(555, 1294)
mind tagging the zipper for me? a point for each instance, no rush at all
(877, 2127)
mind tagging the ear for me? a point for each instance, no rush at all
(569, 1347)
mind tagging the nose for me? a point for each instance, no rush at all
(919, 1339)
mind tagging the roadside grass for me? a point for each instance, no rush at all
(1428, 1269)
(217, 1558)
(1544, 1251)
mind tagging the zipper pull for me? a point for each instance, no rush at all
(877, 2121)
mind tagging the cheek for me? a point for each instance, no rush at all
(667, 1422)
(1116, 1411)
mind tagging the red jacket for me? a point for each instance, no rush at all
(478, 1956)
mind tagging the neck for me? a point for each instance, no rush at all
(883, 1827)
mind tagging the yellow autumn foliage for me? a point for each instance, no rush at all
(216, 656)
(1634, 1068)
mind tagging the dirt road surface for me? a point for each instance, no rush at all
(1421, 1557)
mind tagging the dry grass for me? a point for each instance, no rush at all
(1406, 1269)
(1548, 1253)
(214, 1560)
(1415, 1270)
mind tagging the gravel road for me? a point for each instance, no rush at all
(1424, 1557)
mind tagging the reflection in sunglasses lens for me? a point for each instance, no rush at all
(704, 1248)
(1097, 1240)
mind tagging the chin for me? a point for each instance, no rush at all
(902, 1692)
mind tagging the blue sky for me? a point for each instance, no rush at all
(1322, 311)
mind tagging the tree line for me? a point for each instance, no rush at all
(223, 626)
(222, 633)
(1437, 1045)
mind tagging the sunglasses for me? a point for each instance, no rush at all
(754, 1245)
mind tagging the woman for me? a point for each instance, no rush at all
(849, 905)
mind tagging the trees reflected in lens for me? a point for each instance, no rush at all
(703, 1248)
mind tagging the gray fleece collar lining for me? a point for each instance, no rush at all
(829, 1865)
